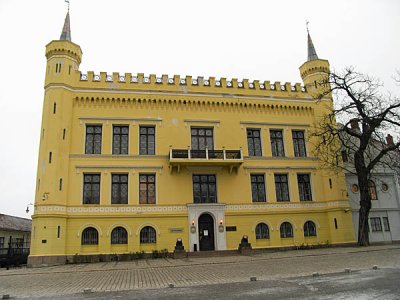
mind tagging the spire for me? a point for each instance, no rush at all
(312, 54)
(66, 31)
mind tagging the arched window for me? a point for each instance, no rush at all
(372, 190)
(148, 235)
(90, 236)
(310, 229)
(119, 236)
(286, 230)
(262, 231)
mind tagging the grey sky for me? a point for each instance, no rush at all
(263, 40)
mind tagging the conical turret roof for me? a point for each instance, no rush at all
(312, 54)
(66, 31)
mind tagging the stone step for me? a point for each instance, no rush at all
(213, 253)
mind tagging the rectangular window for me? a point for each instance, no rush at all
(91, 188)
(375, 224)
(281, 187)
(50, 157)
(201, 138)
(93, 139)
(345, 158)
(277, 143)
(147, 188)
(204, 189)
(303, 181)
(386, 224)
(119, 189)
(299, 143)
(60, 184)
(120, 139)
(258, 187)
(147, 140)
(254, 142)
(58, 231)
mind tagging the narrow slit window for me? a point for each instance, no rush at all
(43, 133)
(330, 183)
(64, 131)
(54, 108)
(69, 70)
(60, 185)
(336, 227)
(58, 231)
(50, 156)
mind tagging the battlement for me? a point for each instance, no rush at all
(177, 82)
(64, 48)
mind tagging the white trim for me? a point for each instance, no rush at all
(84, 226)
(155, 227)
(115, 225)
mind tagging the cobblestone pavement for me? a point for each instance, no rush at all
(159, 273)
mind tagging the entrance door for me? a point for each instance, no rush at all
(206, 232)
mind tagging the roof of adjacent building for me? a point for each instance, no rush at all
(11, 223)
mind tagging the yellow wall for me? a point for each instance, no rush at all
(173, 109)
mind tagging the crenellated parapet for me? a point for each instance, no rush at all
(64, 48)
(188, 84)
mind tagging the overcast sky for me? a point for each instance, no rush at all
(264, 40)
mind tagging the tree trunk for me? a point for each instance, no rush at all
(365, 199)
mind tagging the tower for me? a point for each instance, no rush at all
(49, 228)
(314, 71)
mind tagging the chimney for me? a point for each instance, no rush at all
(389, 140)
(354, 124)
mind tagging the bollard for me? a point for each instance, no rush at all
(6, 296)
(87, 291)
(347, 270)
(375, 267)
(171, 285)
(315, 274)
(253, 278)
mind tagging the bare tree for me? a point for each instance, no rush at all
(365, 117)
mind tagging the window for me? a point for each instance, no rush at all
(201, 138)
(204, 189)
(277, 143)
(281, 187)
(254, 142)
(262, 231)
(50, 157)
(119, 236)
(286, 230)
(147, 188)
(119, 189)
(303, 181)
(299, 143)
(64, 131)
(2, 242)
(336, 224)
(376, 224)
(91, 188)
(90, 236)
(60, 184)
(345, 158)
(310, 229)
(147, 140)
(386, 224)
(93, 139)
(372, 190)
(54, 108)
(354, 188)
(258, 187)
(58, 231)
(120, 139)
(148, 235)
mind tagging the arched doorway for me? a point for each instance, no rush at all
(206, 232)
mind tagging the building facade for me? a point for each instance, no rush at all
(130, 162)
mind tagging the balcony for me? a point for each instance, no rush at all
(192, 158)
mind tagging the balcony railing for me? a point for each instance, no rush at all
(206, 154)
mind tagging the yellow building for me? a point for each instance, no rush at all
(130, 162)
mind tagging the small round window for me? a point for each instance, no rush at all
(385, 187)
(354, 188)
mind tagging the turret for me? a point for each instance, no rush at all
(63, 58)
(314, 71)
